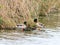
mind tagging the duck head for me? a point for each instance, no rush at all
(35, 20)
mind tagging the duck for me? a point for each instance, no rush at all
(39, 26)
(24, 27)
(21, 26)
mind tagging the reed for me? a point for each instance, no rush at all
(17, 11)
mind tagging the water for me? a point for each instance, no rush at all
(13, 37)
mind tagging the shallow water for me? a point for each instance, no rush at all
(16, 37)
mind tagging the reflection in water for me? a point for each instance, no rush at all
(16, 34)
(17, 37)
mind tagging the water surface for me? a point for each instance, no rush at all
(16, 37)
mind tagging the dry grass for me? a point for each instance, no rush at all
(17, 11)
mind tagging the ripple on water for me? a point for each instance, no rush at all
(48, 37)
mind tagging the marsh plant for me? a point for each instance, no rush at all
(18, 11)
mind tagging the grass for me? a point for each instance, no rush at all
(1, 21)
(16, 12)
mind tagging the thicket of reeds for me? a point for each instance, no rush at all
(13, 12)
